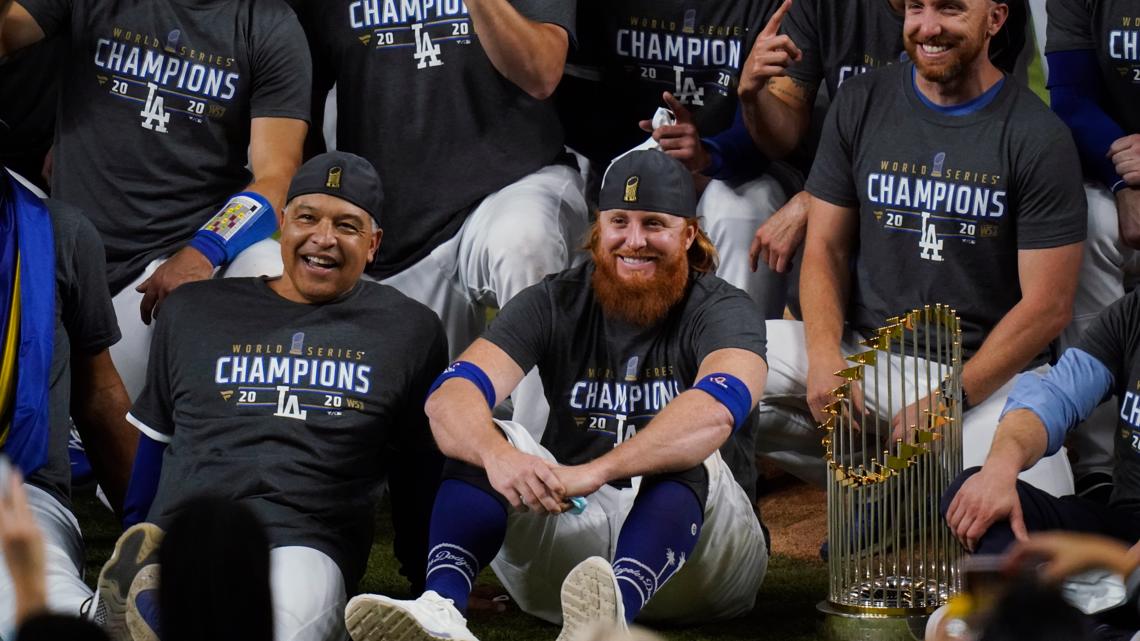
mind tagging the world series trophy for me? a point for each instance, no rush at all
(892, 558)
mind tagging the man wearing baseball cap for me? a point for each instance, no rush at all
(272, 392)
(625, 509)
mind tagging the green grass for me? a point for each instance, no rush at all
(785, 607)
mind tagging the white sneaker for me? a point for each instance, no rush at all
(590, 594)
(371, 617)
(135, 549)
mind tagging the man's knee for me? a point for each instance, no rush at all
(952, 491)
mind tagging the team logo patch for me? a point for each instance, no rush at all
(631, 185)
(333, 181)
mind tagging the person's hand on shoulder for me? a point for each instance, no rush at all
(186, 266)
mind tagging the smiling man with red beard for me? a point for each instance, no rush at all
(943, 181)
(294, 396)
(625, 509)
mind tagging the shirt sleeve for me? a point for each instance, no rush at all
(832, 175)
(282, 70)
(1069, 26)
(153, 411)
(1051, 206)
(524, 326)
(52, 16)
(731, 320)
(87, 312)
(800, 24)
(557, 12)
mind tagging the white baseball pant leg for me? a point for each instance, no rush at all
(1038, 18)
(787, 387)
(1107, 267)
(719, 581)
(730, 215)
(130, 354)
(515, 237)
(308, 595)
(63, 562)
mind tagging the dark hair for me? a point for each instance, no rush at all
(53, 627)
(215, 574)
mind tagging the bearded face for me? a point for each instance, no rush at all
(642, 268)
(945, 41)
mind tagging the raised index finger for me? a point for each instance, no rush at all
(773, 26)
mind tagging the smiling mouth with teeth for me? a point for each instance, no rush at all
(928, 48)
(318, 261)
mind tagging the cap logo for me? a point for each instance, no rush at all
(631, 185)
(333, 181)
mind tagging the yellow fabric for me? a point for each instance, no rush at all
(8, 359)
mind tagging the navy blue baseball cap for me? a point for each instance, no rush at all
(344, 175)
(649, 180)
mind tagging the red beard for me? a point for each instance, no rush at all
(642, 301)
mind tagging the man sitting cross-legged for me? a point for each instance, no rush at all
(649, 362)
(293, 396)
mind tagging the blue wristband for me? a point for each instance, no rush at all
(470, 372)
(730, 392)
(246, 219)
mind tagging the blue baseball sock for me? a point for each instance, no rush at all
(467, 529)
(658, 536)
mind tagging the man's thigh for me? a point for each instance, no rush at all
(521, 233)
(63, 560)
(730, 215)
(308, 595)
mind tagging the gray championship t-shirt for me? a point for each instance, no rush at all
(946, 200)
(1111, 28)
(287, 407)
(1114, 339)
(605, 379)
(419, 98)
(843, 38)
(154, 111)
(642, 48)
(85, 325)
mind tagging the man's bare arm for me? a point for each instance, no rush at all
(528, 53)
(1048, 284)
(778, 115)
(99, 406)
(18, 29)
(462, 425)
(825, 282)
(274, 155)
(685, 433)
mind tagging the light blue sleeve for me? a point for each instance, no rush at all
(1064, 396)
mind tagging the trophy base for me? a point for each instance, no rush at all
(845, 625)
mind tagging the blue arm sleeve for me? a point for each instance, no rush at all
(1063, 397)
(246, 219)
(1075, 91)
(144, 481)
(733, 153)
